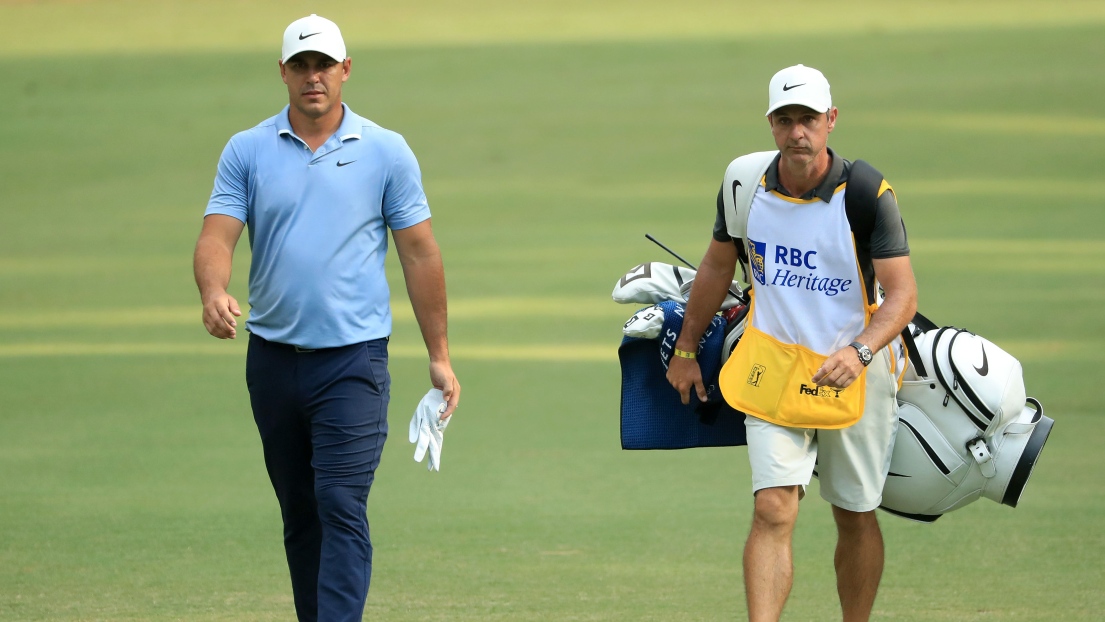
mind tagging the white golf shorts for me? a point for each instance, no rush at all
(851, 463)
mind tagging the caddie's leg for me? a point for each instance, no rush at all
(858, 561)
(348, 408)
(286, 439)
(768, 567)
(782, 461)
(854, 463)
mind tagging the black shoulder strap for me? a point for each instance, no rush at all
(861, 200)
(913, 354)
(861, 205)
(924, 325)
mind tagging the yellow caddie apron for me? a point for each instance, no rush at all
(809, 300)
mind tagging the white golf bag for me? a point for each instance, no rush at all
(966, 429)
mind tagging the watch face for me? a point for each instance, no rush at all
(864, 352)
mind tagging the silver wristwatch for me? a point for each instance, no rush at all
(865, 355)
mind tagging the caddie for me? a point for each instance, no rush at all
(818, 236)
(319, 188)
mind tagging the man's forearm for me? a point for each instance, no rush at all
(212, 266)
(895, 312)
(425, 279)
(711, 284)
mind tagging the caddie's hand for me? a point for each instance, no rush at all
(219, 311)
(443, 379)
(685, 375)
(839, 370)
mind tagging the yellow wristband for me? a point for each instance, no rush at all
(685, 355)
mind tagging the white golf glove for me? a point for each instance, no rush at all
(427, 428)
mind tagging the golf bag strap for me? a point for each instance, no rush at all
(742, 177)
(924, 325)
(861, 200)
(911, 351)
(861, 206)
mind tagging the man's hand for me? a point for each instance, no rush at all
(685, 375)
(896, 277)
(443, 379)
(711, 285)
(839, 370)
(214, 254)
(219, 311)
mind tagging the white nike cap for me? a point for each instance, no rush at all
(313, 34)
(800, 85)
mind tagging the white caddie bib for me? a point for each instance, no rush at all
(809, 300)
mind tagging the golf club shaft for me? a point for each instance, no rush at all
(692, 266)
(673, 253)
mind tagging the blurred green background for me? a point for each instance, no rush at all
(552, 136)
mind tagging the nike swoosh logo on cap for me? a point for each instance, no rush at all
(785, 86)
(303, 36)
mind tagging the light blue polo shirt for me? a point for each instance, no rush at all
(318, 226)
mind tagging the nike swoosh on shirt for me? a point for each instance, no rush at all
(340, 163)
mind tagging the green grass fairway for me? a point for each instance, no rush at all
(551, 139)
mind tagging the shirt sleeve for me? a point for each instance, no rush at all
(230, 196)
(404, 202)
(721, 232)
(888, 238)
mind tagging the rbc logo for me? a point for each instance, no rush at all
(794, 257)
(756, 252)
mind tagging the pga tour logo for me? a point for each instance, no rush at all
(756, 375)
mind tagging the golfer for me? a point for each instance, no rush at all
(319, 186)
(812, 370)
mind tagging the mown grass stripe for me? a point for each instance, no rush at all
(1024, 349)
(486, 352)
(73, 27)
(598, 307)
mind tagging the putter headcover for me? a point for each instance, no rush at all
(645, 324)
(650, 283)
(653, 282)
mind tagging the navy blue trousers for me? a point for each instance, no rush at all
(322, 416)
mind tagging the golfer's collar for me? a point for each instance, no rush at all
(283, 123)
(350, 124)
(824, 192)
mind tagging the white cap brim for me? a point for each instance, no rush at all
(799, 102)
